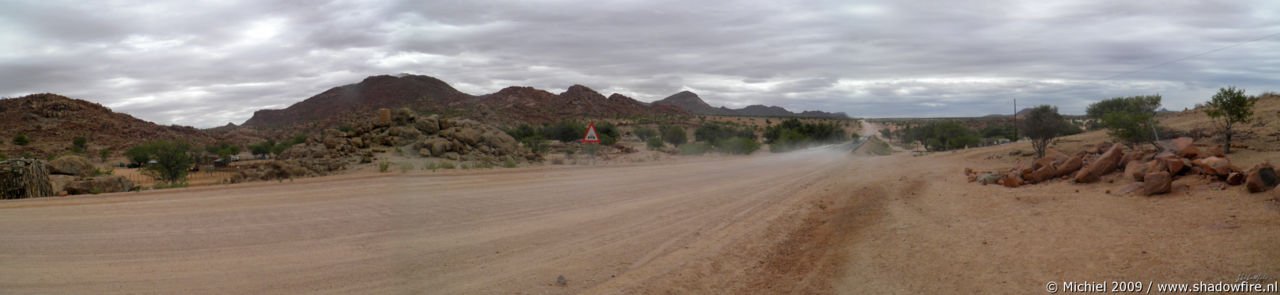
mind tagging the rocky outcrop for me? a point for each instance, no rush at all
(99, 185)
(71, 165)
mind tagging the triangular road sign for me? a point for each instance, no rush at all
(591, 134)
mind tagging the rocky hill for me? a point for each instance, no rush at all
(348, 104)
(52, 122)
(690, 102)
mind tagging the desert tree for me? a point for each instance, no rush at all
(21, 139)
(1042, 125)
(1128, 119)
(1227, 108)
(173, 160)
(674, 135)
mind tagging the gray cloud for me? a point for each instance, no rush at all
(209, 63)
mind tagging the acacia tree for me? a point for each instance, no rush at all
(1228, 107)
(1042, 124)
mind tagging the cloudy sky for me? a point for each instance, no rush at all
(209, 63)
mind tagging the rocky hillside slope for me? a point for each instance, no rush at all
(52, 122)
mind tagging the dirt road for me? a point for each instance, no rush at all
(699, 226)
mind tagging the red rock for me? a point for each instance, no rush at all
(1235, 178)
(1043, 174)
(1157, 165)
(1011, 180)
(1157, 183)
(1106, 163)
(1214, 151)
(1262, 177)
(1176, 166)
(1071, 165)
(1216, 166)
(1181, 146)
(1135, 170)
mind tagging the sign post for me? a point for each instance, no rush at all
(593, 139)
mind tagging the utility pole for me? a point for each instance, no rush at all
(1015, 120)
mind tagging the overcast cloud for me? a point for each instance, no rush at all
(209, 63)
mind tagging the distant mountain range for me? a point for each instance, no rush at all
(690, 102)
(509, 105)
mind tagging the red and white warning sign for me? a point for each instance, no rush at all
(591, 134)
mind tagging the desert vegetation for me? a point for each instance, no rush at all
(792, 133)
(1042, 125)
(1128, 119)
(1227, 108)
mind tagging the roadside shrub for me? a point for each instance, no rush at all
(383, 166)
(405, 167)
(605, 139)
(21, 139)
(939, 136)
(696, 148)
(739, 146)
(509, 163)
(655, 143)
(103, 154)
(792, 133)
(606, 128)
(536, 143)
(674, 135)
(447, 165)
(521, 132)
(645, 133)
(565, 131)
(173, 160)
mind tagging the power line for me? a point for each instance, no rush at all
(1192, 56)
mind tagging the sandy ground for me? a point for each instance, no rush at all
(817, 221)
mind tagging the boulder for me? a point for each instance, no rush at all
(1216, 166)
(989, 178)
(500, 142)
(1179, 145)
(1262, 177)
(1235, 178)
(60, 182)
(71, 165)
(1157, 165)
(403, 116)
(404, 132)
(1072, 164)
(1157, 183)
(1011, 180)
(1213, 151)
(428, 125)
(1106, 163)
(1135, 170)
(99, 184)
(1043, 174)
(1139, 156)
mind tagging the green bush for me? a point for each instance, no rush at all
(1043, 123)
(508, 163)
(565, 131)
(605, 139)
(792, 133)
(938, 136)
(1227, 108)
(655, 143)
(173, 160)
(103, 154)
(715, 133)
(739, 146)
(521, 132)
(536, 143)
(79, 144)
(346, 129)
(447, 165)
(696, 148)
(674, 135)
(383, 166)
(1128, 119)
(4, 156)
(21, 139)
(645, 133)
